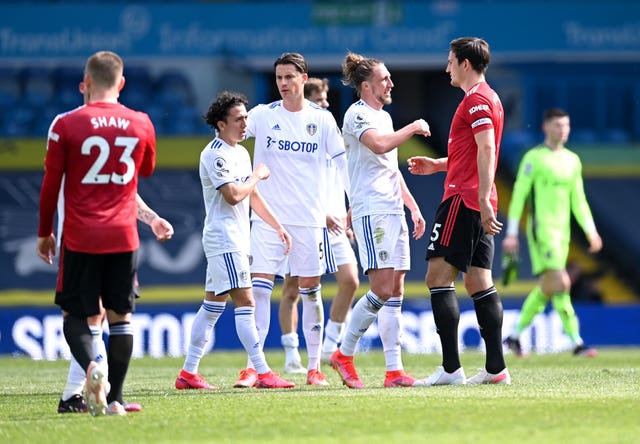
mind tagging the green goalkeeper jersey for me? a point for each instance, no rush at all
(550, 182)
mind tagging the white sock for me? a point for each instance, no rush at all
(362, 316)
(201, 330)
(99, 347)
(75, 380)
(262, 289)
(390, 330)
(248, 334)
(312, 323)
(290, 342)
(332, 336)
(77, 376)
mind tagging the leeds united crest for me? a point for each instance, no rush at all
(312, 128)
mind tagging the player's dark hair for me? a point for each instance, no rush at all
(292, 58)
(553, 113)
(219, 109)
(357, 69)
(473, 49)
(315, 85)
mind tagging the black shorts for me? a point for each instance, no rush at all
(83, 278)
(459, 237)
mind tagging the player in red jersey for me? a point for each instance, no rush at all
(465, 222)
(99, 148)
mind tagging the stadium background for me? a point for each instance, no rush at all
(582, 56)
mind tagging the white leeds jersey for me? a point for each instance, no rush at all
(226, 226)
(335, 191)
(295, 146)
(375, 178)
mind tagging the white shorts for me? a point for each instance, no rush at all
(383, 242)
(332, 258)
(227, 271)
(341, 252)
(305, 259)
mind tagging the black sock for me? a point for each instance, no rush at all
(446, 314)
(78, 336)
(489, 314)
(119, 352)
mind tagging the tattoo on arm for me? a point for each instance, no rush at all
(146, 215)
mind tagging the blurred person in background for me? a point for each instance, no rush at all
(549, 180)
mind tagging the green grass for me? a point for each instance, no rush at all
(553, 398)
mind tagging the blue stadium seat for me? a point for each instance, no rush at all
(66, 80)
(616, 135)
(583, 135)
(37, 86)
(67, 98)
(183, 120)
(513, 146)
(18, 121)
(9, 87)
(44, 116)
(157, 114)
(172, 88)
(138, 87)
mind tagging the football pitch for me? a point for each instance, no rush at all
(554, 398)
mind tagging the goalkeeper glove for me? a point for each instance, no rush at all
(510, 263)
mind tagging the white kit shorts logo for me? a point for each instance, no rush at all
(245, 277)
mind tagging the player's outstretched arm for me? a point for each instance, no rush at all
(423, 165)
(383, 143)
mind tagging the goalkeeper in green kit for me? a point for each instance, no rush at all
(549, 180)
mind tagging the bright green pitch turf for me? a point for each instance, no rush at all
(553, 399)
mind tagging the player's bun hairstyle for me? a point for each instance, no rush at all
(219, 109)
(292, 58)
(315, 85)
(357, 69)
(473, 49)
